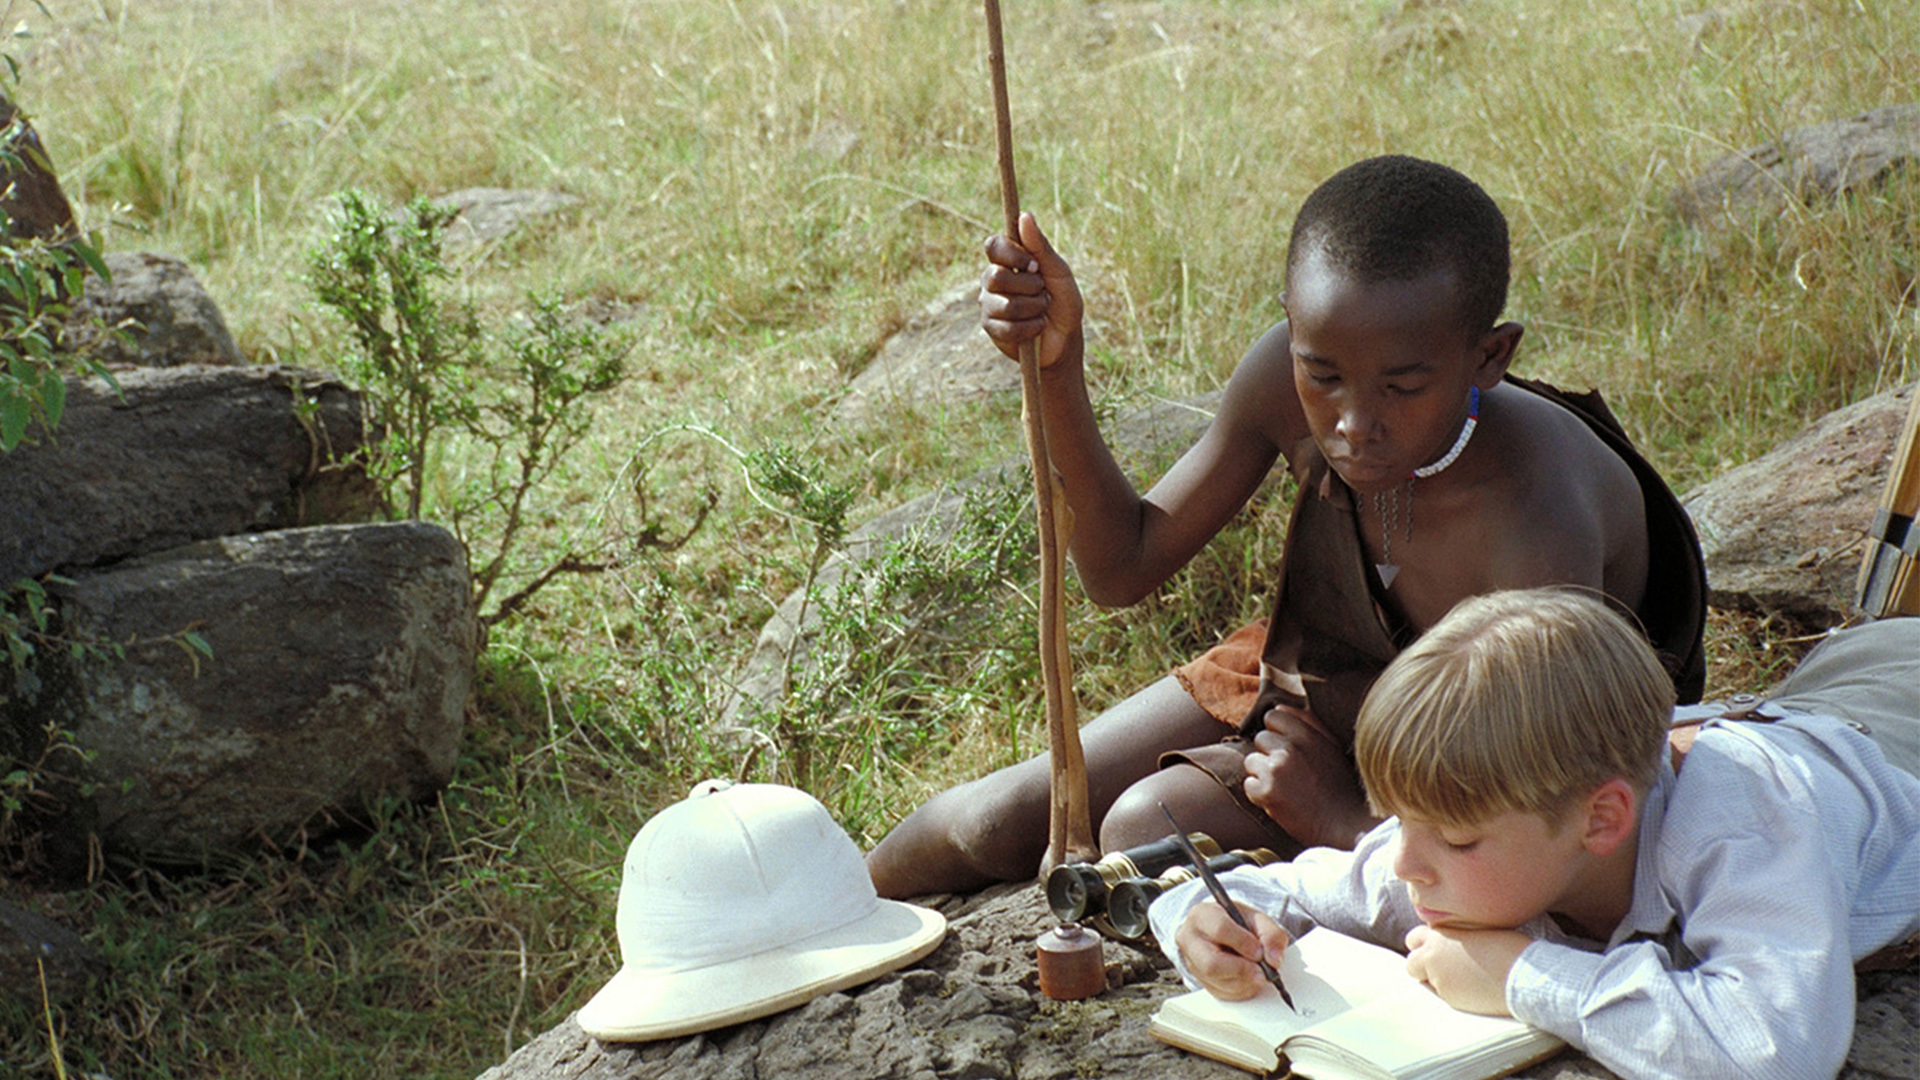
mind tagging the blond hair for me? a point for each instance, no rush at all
(1517, 700)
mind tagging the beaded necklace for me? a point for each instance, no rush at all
(1387, 503)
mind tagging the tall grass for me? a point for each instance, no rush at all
(772, 188)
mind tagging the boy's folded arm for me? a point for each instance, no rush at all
(1633, 1014)
(1771, 993)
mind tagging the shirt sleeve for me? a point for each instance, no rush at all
(1353, 892)
(1760, 984)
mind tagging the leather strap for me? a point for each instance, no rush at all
(1686, 727)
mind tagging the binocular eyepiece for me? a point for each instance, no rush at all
(1077, 892)
(1113, 894)
(1128, 900)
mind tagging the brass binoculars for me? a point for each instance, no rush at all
(1112, 895)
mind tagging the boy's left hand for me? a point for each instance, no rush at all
(1467, 968)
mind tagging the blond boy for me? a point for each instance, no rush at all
(1551, 856)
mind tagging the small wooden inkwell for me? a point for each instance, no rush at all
(1071, 965)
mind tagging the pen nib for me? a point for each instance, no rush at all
(1284, 996)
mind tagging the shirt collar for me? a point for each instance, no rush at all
(1650, 914)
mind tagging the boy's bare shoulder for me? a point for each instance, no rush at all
(1566, 498)
(1528, 451)
(1550, 442)
(1260, 397)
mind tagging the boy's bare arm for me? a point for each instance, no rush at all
(1258, 419)
(1125, 545)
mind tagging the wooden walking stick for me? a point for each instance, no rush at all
(1890, 573)
(1070, 817)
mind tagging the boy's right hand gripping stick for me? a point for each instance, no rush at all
(1890, 573)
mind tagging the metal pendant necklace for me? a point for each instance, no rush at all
(1387, 503)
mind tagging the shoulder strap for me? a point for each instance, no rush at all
(1687, 721)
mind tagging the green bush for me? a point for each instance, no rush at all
(433, 373)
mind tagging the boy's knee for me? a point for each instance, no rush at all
(1197, 801)
(1134, 819)
(1137, 817)
(957, 841)
(996, 827)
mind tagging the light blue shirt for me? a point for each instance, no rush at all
(1783, 853)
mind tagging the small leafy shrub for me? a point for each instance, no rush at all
(36, 278)
(512, 396)
(903, 644)
(38, 281)
(33, 757)
(39, 277)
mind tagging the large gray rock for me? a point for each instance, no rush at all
(1783, 533)
(1818, 161)
(188, 453)
(940, 355)
(973, 1011)
(341, 662)
(165, 314)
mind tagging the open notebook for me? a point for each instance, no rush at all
(1360, 1016)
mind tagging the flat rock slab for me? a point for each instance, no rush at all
(1784, 533)
(487, 215)
(181, 454)
(973, 1011)
(1814, 162)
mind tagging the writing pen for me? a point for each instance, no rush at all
(1220, 897)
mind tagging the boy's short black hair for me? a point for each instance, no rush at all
(1396, 218)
